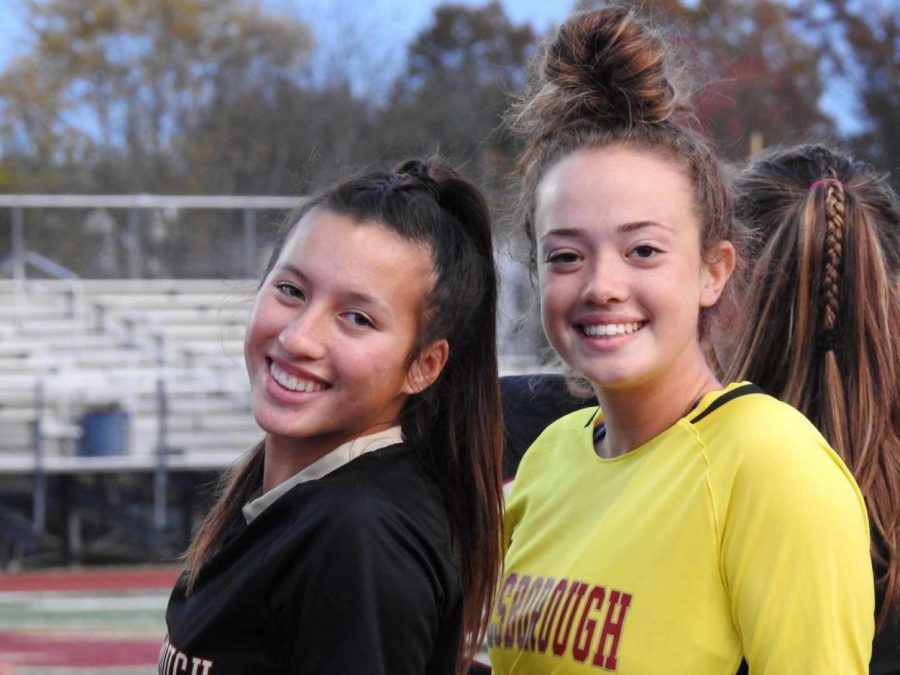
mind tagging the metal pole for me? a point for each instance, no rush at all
(133, 244)
(39, 496)
(18, 244)
(250, 243)
(160, 476)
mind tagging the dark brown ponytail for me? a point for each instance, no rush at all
(236, 487)
(822, 330)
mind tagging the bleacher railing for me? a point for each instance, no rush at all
(19, 258)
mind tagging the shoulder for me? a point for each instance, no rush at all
(759, 429)
(559, 437)
(380, 495)
(563, 430)
(530, 404)
(556, 451)
(763, 451)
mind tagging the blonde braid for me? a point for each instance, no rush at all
(834, 253)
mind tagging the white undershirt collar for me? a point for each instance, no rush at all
(323, 466)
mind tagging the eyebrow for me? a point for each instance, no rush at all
(574, 232)
(353, 297)
(563, 232)
(289, 267)
(641, 224)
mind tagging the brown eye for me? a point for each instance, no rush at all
(562, 257)
(358, 319)
(289, 290)
(645, 251)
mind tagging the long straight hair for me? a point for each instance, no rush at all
(822, 328)
(454, 426)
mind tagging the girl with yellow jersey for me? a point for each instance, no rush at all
(685, 526)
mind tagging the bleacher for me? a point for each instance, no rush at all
(165, 356)
(166, 352)
(162, 359)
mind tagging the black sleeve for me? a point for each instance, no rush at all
(530, 404)
(369, 596)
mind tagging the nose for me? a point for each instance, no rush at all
(306, 335)
(607, 281)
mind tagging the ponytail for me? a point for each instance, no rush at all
(823, 325)
(237, 487)
(455, 424)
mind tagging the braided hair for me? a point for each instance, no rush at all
(834, 253)
(822, 330)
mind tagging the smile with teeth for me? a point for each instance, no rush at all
(610, 329)
(295, 383)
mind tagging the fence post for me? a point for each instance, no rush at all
(39, 494)
(133, 243)
(250, 243)
(18, 244)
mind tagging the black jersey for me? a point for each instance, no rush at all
(351, 573)
(886, 646)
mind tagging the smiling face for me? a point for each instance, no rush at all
(621, 273)
(332, 330)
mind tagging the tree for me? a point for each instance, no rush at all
(455, 89)
(118, 81)
(758, 79)
(279, 139)
(861, 45)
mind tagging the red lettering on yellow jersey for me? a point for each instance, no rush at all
(534, 614)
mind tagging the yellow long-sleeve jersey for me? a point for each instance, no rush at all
(737, 533)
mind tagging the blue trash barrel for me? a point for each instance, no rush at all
(104, 433)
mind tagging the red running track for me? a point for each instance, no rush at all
(74, 651)
(109, 579)
(69, 649)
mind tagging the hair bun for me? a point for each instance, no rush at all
(604, 68)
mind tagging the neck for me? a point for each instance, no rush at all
(286, 457)
(635, 415)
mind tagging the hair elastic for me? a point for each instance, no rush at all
(825, 180)
(392, 182)
(828, 339)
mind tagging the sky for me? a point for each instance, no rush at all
(387, 27)
(399, 20)
(404, 18)
(390, 24)
(384, 24)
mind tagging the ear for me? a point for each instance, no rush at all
(427, 367)
(717, 269)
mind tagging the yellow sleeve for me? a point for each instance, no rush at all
(795, 552)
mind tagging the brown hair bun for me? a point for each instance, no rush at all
(602, 69)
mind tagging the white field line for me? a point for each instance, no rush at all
(54, 601)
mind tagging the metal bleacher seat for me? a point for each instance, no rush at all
(167, 353)
(122, 342)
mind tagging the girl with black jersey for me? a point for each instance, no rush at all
(362, 534)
